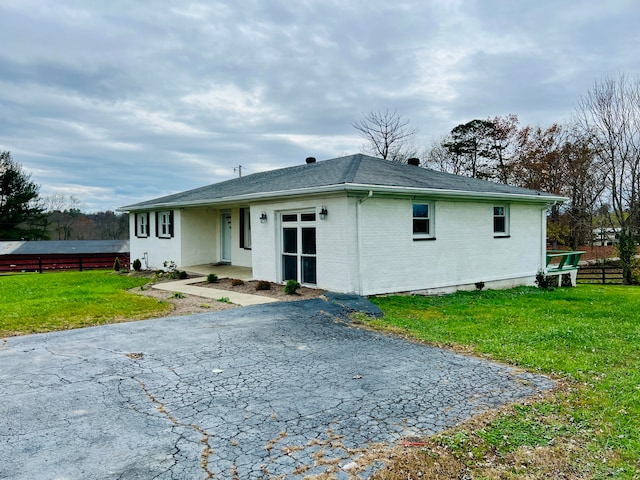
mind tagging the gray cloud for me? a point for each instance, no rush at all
(116, 102)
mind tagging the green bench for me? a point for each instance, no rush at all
(568, 261)
(560, 262)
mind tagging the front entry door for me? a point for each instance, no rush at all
(225, 241)
(299, 247)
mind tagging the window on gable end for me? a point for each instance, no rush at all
(423, 221)
(501, 220)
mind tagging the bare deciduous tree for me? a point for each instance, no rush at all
(387, 135)
(609, 114)
(63, 212)
(439, 157)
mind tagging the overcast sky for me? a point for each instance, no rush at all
(118, 101)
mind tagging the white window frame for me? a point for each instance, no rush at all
(431, 234)
(164, 224)
(505, 216)
(142, 225)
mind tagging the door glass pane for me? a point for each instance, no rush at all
(290, 218)
(309, 270)
(289, 240)
(290, 267)
(309, 241)
(308, 217)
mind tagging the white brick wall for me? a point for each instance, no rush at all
(384, 258)
(157, 249)
(200, 236)
(335, 241)
(464, 252)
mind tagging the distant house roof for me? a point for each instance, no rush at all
(64, 247)
(351, 173)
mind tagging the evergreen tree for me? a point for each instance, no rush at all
(21, 214)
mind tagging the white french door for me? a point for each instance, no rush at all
(299, 247)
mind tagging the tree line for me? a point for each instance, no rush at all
(593, 160)
(26, 215)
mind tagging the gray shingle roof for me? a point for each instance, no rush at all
(45, 247)
(350, 171)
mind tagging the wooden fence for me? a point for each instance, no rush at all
(600, 274)
(40, 263)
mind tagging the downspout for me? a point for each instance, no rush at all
(358, 239)
(543, 236)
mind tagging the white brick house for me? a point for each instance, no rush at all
(352, 224)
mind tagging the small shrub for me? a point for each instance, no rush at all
(236, 282)
(170, 266)
(212, 278)
(479, 286)
(171, 269)
(177, 295)
(223, 300)
(117, 266)
(263, 285)
(542, 281)
(182, 275)
(137, 265)
(291, 287)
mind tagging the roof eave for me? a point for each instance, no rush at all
(351, 187)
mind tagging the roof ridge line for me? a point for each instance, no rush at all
(354, 165)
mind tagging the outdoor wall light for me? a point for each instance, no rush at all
(263, 217)
(323, 213)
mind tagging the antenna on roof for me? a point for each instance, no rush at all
(238, 169)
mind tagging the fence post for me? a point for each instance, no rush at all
(39, 264)
(80, 263)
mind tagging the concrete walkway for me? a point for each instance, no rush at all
(187, 287)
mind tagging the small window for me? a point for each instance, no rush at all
(164, 224)
(308, 217)
(290, 217)
(423, 221)
(142, 225)
(500, 220)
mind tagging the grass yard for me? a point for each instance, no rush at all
(589, 335)
(33, 303)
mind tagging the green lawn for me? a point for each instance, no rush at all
(589, 335)
(35, 302)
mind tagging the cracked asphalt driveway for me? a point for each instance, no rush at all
(285, 390)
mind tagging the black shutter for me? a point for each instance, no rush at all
(157, 226)
(135, 221)
(242, 213)
(147, 233)
(171, 223)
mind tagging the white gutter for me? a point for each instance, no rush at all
(356, 188)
